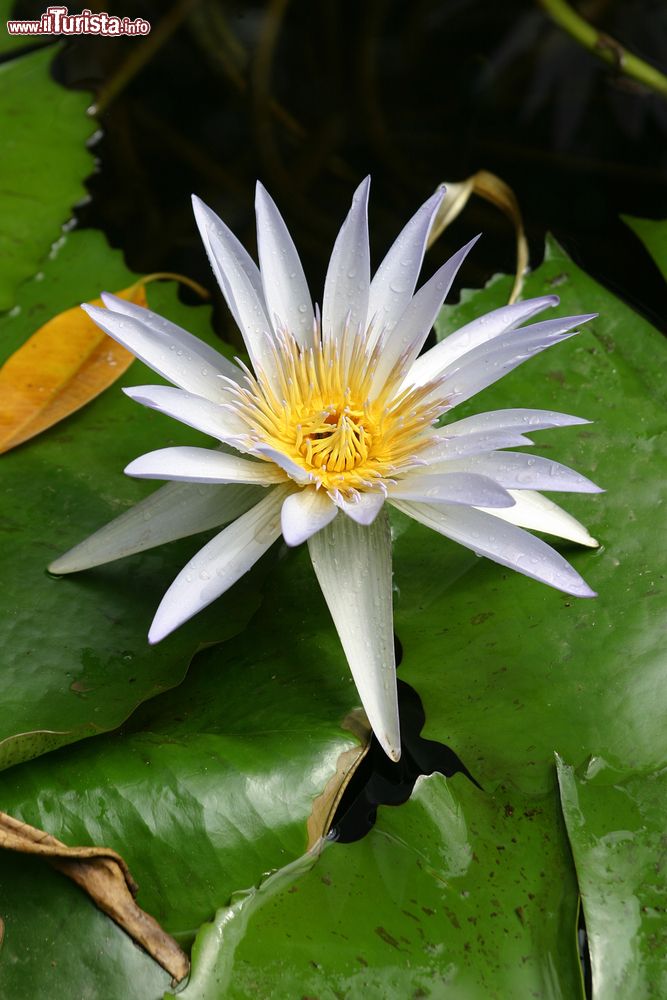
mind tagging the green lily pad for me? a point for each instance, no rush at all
(43, 131)
(75, 659)
(508, 669)
(210, 785)
(653, 234)
(57, 944)
(12, 43)
(616, 824)
(455, 894)
(204, 790)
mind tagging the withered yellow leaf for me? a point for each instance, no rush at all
(493, 189)
(60, 368)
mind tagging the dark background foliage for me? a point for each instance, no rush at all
(309, 97)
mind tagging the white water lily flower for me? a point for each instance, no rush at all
(336, 418)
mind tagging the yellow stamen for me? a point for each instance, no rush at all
(321, 413)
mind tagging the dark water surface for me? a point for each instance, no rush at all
(310, 95)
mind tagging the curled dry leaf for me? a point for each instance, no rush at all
(325, 805)
(486, 185)
(106, 878)
(62, 366)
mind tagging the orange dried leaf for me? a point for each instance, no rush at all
(64, 365)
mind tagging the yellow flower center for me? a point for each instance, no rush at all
(325, 414)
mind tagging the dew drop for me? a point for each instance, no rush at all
(303, 308)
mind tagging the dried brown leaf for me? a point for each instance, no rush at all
(325, 805)
(104, 875)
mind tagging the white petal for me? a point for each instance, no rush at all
(479, 331)
(165, 347)
(454, 487)
(240, 283)
(304, 513)
(201, 465)
(447, 450)
(209, 418)
(504, 543)
(539, 513)
(284, 283)
(217, 566)
(364, 510)
(492, 430)
(353, 567)
(294, 471)
(519, 471)
(514, 419)
(408, 336)
(174, 511)
(484, 365)
(394, 281)
(348, 276)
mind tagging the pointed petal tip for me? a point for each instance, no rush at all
(110, 300)
(201, 211)
(65, 564)
(391, 747)
(128, 470)
(157, 633)
(363, 189)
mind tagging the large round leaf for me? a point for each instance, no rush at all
(206, 788)
(508, 669)
(75, 659)
(616, 825)
(43, 131)
(455, 894)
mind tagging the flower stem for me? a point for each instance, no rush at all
(604, 47)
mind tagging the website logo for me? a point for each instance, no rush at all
(57, 20)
